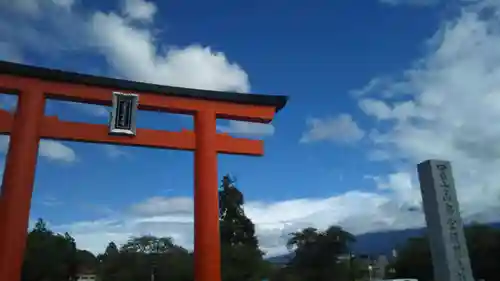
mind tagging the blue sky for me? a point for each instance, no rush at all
(375, 88)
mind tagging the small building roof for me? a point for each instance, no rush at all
(11, 68)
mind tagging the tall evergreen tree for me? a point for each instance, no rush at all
(49, 255)
(241, 257)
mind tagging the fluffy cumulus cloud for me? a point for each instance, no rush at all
(132, 53)
(339, 129)
(139, 10)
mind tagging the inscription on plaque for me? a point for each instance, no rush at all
(123, 114)
(450, 256)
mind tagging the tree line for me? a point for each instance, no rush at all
(483, 243)
(317, 254)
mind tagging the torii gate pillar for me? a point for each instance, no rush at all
(17, 184)
(206, 199)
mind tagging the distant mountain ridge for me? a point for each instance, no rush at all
(375, 243)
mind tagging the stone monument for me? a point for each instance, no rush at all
(450, 256)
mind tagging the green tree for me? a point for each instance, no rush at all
(302, 238)
(54, 257)
(48, 255)
(110, 252)
(150, 252)
(317, 253)
(110, 263)
(414, 260)
(483, 243)
(241, 257)
(144, 257)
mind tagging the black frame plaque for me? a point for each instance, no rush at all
(123, 115)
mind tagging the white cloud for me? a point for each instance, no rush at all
(163, 206)
(376, 84)
(247, 129)
(133, 52)
(139, 10)
(382, 111)
(378, 155)
(398, 207)
(56, 151)
(114, 152)
(92, 109)
(50, 201)
(339, 129)
(274, 220)
(50, 149)
(448, 108)
(65, 4)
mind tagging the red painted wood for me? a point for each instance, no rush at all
(207, 249)
(17, 184)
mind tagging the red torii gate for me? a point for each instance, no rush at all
(28, 125)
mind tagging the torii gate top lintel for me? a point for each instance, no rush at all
(86, 88)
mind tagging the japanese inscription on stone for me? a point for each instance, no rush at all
(450, 257)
